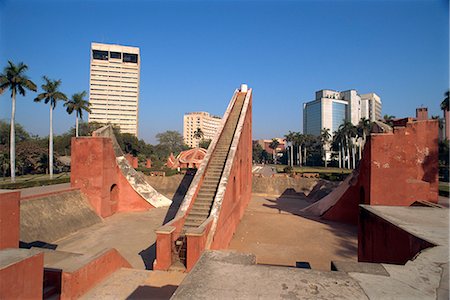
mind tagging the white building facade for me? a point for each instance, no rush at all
(331, 108)
(207, 123)
(114, 86)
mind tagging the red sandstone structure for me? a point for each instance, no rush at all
(102, 172)
(191, 158)
(398, 168)
(218, 195)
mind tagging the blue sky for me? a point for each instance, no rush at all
(195, 53)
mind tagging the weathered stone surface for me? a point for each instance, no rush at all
(55, 216)
(227, 278)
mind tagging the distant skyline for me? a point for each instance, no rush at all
(195, 53)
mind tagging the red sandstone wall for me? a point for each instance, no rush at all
(77, 283)
(9, 220)
(397, 169)
(238, 190)
(23, 280)
(382, 242)
(95, 172)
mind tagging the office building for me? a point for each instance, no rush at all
(372, 106)
(114, 86)
(331, 108)
(207, 123)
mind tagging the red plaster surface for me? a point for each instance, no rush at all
(74, 284)
(23, 280)
(148, 163)
(382, 242)
(9, 220)
(397, 169)
(195, 246)
(236, 198)
(239, 188)
(133, 161)
(95, 172)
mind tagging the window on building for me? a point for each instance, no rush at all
(102, 55)
(115, 55)
(128, 57)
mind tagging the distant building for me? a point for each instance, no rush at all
(114, 86)
(207, 123)
(265, 144)
(371, 107)
(331, 108)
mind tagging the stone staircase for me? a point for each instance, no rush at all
(205, 198)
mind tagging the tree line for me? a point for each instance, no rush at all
(341, 149)
(30, 155)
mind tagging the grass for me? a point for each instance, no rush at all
(26, 181)
(328, 170)
(444, 189)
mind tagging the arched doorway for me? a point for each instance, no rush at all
(114, 198)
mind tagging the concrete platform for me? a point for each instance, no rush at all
(132, 234)
(275, 230)
(222, 275)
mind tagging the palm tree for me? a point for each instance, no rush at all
(444, 103)
(198, 134)
(325, 137)
(389, 119)
(363, 129)
(78, 104)
(51, 95)
(349, 131)
(274, 145)
(14, 79)
(290, 139)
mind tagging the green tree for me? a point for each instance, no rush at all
(51, 95)
(389, 119)
(349, 131)
(274, 145)
(204, 143)
(325, 137)
(198, 135)
(14, 79)
(290, 151)
(444, 103)
(77, 103)
(171, 140)
(21, 133)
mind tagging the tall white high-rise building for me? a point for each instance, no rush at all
(372, 106)
(332, 108)
(207, 123)
(114, 86)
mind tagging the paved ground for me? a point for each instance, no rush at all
(275, 231)
(132, 234)
(264, 170)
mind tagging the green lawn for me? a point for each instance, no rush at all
(280, 169)
(33, 180)
(444, 189)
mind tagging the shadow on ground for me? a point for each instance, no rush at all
(179, 196)
(293, 202)
(149, 255)
(150, 292)
(37, 244)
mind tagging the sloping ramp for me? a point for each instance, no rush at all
(134, 178)
(48, 218)
(323, 205)
(217, 197)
